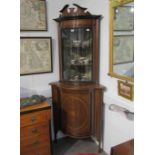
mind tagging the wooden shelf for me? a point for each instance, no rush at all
(81, 65)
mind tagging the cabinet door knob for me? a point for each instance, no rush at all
(35, 142)
(34, 130)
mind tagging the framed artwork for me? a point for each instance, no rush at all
(35, 55)
(123, 18)
(123, 49)
(125, 90)
(33, 15)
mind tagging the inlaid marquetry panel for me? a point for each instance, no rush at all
(76, 113)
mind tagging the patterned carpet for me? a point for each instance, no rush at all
(70, 146)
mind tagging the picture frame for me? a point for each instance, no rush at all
(33, 15)
(123, 18)
(123, 49)
(35, 55)
(125, 90)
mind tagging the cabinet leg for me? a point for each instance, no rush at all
(55, 137)
(56, 122)
(100, 147)
(100, 150)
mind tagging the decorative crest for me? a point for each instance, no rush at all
(78, 11)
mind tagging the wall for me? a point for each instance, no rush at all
(38, 84)
(117, 128)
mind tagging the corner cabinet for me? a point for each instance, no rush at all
(78, 96)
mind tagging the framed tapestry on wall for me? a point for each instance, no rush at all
(35, 55)
(33, 15)
(126, 90)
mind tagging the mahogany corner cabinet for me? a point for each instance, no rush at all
(78, 96)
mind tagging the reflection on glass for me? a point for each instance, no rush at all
(123, 55)
(77, 54)
(126, 69)
(123, 18)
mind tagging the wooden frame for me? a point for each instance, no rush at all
(125, 90)
(33, 15)
(115, 3)
(35, 55)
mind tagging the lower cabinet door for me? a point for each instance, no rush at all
(76, 112)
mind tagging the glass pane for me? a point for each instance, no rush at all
(123, 40)
(123, 18)
(77, 51)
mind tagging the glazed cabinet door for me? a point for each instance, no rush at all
(76, 121)
(77, 54)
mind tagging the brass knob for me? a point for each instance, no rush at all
(34, 130)
(33, 119)
(35, 142)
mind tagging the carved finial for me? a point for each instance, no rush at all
(78, 6)
(64, 8)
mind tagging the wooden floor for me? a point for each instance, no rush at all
(70, 146)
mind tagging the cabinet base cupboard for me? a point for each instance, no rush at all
(78, 96)
(78, 110)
